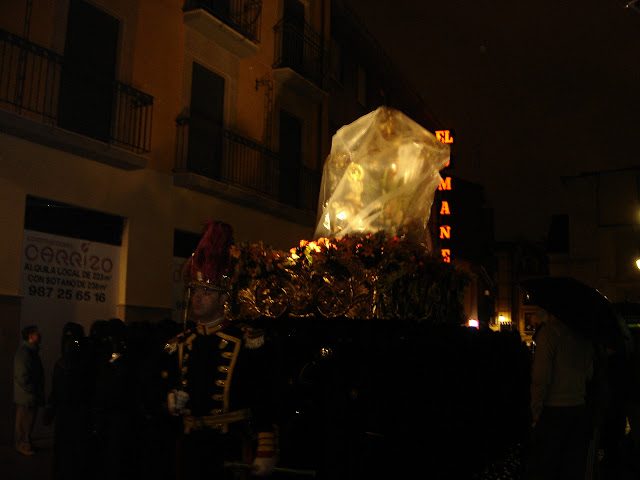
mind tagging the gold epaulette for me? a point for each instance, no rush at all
(183, 337)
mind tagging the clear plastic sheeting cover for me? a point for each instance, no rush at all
(381, 175)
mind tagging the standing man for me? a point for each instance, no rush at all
(28, 382)
(562, 367)
(224, 390)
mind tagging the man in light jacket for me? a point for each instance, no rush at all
(562, 368)
(28, 391)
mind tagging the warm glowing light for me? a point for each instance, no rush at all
(638, 263)
(473, 323)
(342, 215)
(356, 172)
(445, 231)
(502, 319)
(444, 136)
(444, 209)
(446, 255)
(314, 246)
(324, 242)
(327, 221)
(445, 184)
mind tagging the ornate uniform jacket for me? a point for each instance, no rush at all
(229, 379)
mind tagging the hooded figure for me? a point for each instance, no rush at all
(69, 403)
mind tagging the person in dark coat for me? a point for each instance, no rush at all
(28, 383)
(69, 404)
(112, 404)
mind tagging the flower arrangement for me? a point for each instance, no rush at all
(369, 277)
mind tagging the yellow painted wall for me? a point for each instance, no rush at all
(155, 55)
(14, 14)
(250, 105)
(148, 200)
(158, 70)
(12, 221)
(156, 52)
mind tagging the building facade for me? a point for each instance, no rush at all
(602, 233)
(596, 240)
(126, 124)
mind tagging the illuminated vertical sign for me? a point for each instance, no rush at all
(445, 136)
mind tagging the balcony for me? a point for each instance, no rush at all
(232, 24)
(106, 120)
(299, 61)
(217, 161)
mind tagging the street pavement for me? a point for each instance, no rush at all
(15, 466)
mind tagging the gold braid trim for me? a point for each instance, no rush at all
(220, 422)
(217, 420)
(227, 383)
(267, 445)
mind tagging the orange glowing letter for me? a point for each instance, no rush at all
(446, 255)
(445, 184)
(444, 136)
(445, 231)
(444, 209)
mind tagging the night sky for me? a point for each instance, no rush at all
(533, 90)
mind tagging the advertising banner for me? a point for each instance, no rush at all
(66, 280)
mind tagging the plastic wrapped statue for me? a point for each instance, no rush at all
(381, 175)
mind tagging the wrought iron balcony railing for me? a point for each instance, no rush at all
(207, 149)
(34, 83)
(244, 16)
(298, 47)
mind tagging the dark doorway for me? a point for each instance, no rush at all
(220, 8)
(57, 218)
(205, 123)
(290, 158)
(88, 72)
(293, 35)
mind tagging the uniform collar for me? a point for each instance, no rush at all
(212, 328)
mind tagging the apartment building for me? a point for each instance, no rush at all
(599, 238)
(126, 124)
(596, 240)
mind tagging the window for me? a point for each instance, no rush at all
(57, 218)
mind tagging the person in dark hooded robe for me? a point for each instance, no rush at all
(68, 404)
